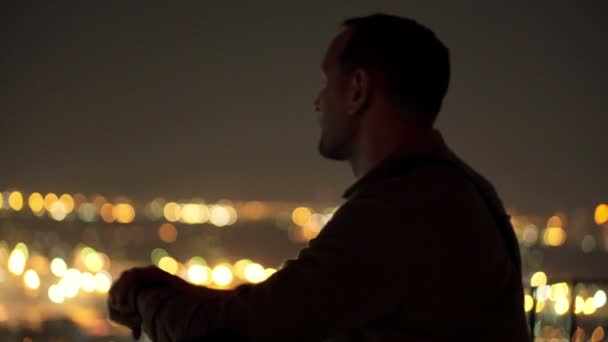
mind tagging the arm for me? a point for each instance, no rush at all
(335, 284)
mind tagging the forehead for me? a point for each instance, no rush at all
(336, 47)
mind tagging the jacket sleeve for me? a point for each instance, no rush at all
(340, 281)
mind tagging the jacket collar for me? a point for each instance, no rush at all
(432, 146)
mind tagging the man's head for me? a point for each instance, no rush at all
(379, 62)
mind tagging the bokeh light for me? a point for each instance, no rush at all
(538, 279)
(601, 214)
(268, 272)
(561, 306)
(222, 275)
(68, 202)
(554, 236)
(123, 213)
(15, 200)
(254, 273)
(157, 254)
(103, 282)
(87, 282)
(36, 203)
(239, 267)
(168, 264)
(559, 290)
(16, 261)
(192, 213)
(172, 212)
(94, 262)
(107, 212)
(88, 212)
(589, 306)
(56, 294)
(198, 274)
(543, 292)
(49, 200)
(579, 304)
(167, 232)
(31, 279)
(70, 283)
(301, 216)
(219, 215)
(528, 303)
(58, 267)
(599, 299)
(58, 211)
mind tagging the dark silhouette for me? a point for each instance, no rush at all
(422, 249)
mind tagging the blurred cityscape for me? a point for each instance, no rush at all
(59, 254)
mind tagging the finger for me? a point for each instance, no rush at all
(136, 332)
(129, 320)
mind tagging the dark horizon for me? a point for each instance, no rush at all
(216, 102)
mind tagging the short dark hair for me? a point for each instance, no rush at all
(413, 64)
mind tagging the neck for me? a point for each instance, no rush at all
(375, 144)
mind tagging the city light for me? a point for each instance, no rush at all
(579, 304)
(87, 282)
(543, 292)
(68, 202)
(107, 212)
(70, 283)
(93, 261)
(16, 261)
(167, 232)
(58, 211)
(198, 274)
(219, 216)
(194, 213)
(268, 272)
(56, 294)
(123, 213)
(222, 275)
(554, 236)
(599, 299)
(538, 279)
(589, 306)
(254, 273)
(15, 201)
(36, 203)
(88, 212)
(157, 254)
(103, 282)
(168, 264)
(239, 267)
(31, 279)
(528, 303)
(172, 212)
(601, 214)
(49, 200)
(561, 306)
(301, 216)
(58, 267)
(559, 290)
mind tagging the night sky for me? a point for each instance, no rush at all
(215, 101)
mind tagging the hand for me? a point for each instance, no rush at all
(122, 301)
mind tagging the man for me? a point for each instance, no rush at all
(422, 250)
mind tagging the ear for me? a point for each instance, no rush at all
(359, 92)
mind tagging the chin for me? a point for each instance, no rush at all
(332, 151)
